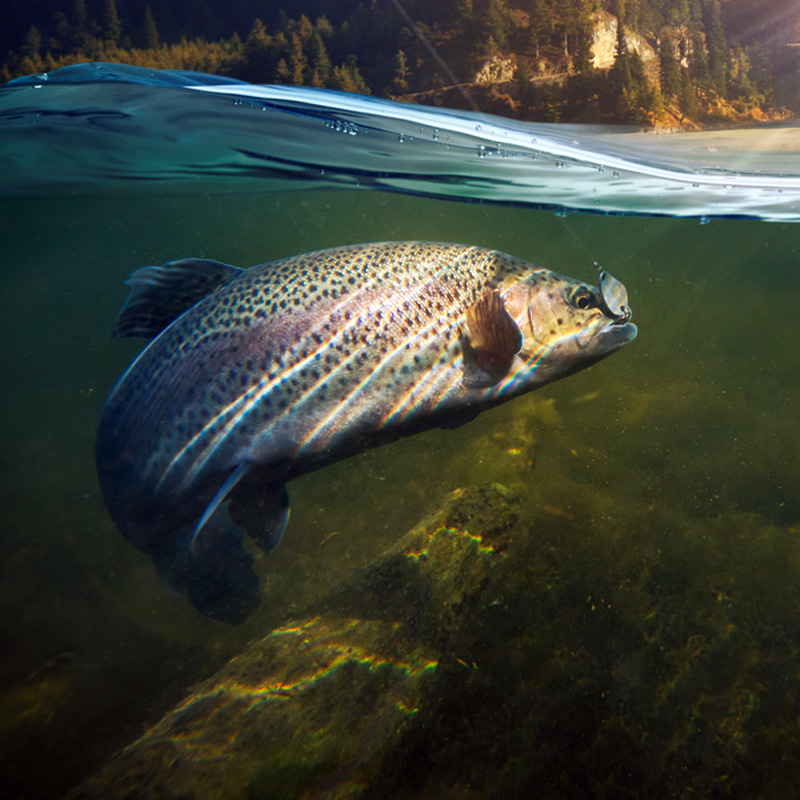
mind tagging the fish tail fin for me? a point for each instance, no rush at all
(214, 572)
(159, 295)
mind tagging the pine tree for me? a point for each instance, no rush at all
(466, 9)
(687, 99)
(257, 54)
(151, 39)
(495, 22)
(112, 30)
(282, 72)
(347, 78)
(576, 31)
(620, 75)
(698, 61)
(402, 73)
(717, 46)
(541, 27)
(320, 59)
(298, 63)
(31, 51)
(305, 29)
(80, 32)
(342, 79)
(641, 95)
(633, 10)
(522, 83)
(739, 81)
(80, 16)
(61, 30)
(670, 69)
(323, 27)
(32, 43)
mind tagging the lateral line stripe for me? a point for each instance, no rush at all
(257, 392)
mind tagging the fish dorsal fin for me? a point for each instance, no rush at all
(493, 341)
(159, 295)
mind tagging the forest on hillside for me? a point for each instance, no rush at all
(702, 61)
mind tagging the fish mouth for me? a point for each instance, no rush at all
(607, 335)
(620, 330)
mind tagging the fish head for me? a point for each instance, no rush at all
(567, 324)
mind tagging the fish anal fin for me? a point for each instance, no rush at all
(459, 418)
(159, 295)
(263, 511)
(492, 342)
(217, 577)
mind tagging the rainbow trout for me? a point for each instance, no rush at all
(257, 376)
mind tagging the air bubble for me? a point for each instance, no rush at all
(401, 138)
(482, 152)
(479, 128)
(704, 220)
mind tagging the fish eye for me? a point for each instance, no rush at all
(582, 298)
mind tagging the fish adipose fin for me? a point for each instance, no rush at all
(159, 295)
(493, 341)
(263, 511)
(216, 575)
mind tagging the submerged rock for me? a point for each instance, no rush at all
(317, 707)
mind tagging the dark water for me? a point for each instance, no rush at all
(650, 644)
(665, 477)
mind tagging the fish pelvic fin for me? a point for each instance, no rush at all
(488, 349)
(263, 511)
(159, 295)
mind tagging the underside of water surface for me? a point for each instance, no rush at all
(104, 127)
(611, 608)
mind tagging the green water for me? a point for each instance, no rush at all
(658, 496)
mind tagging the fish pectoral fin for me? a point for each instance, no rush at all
(159, 295)
(493, 340)
(263, 511)
(219, 498)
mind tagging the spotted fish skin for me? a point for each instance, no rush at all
(286, 367)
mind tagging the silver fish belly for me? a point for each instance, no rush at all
(257, 376)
